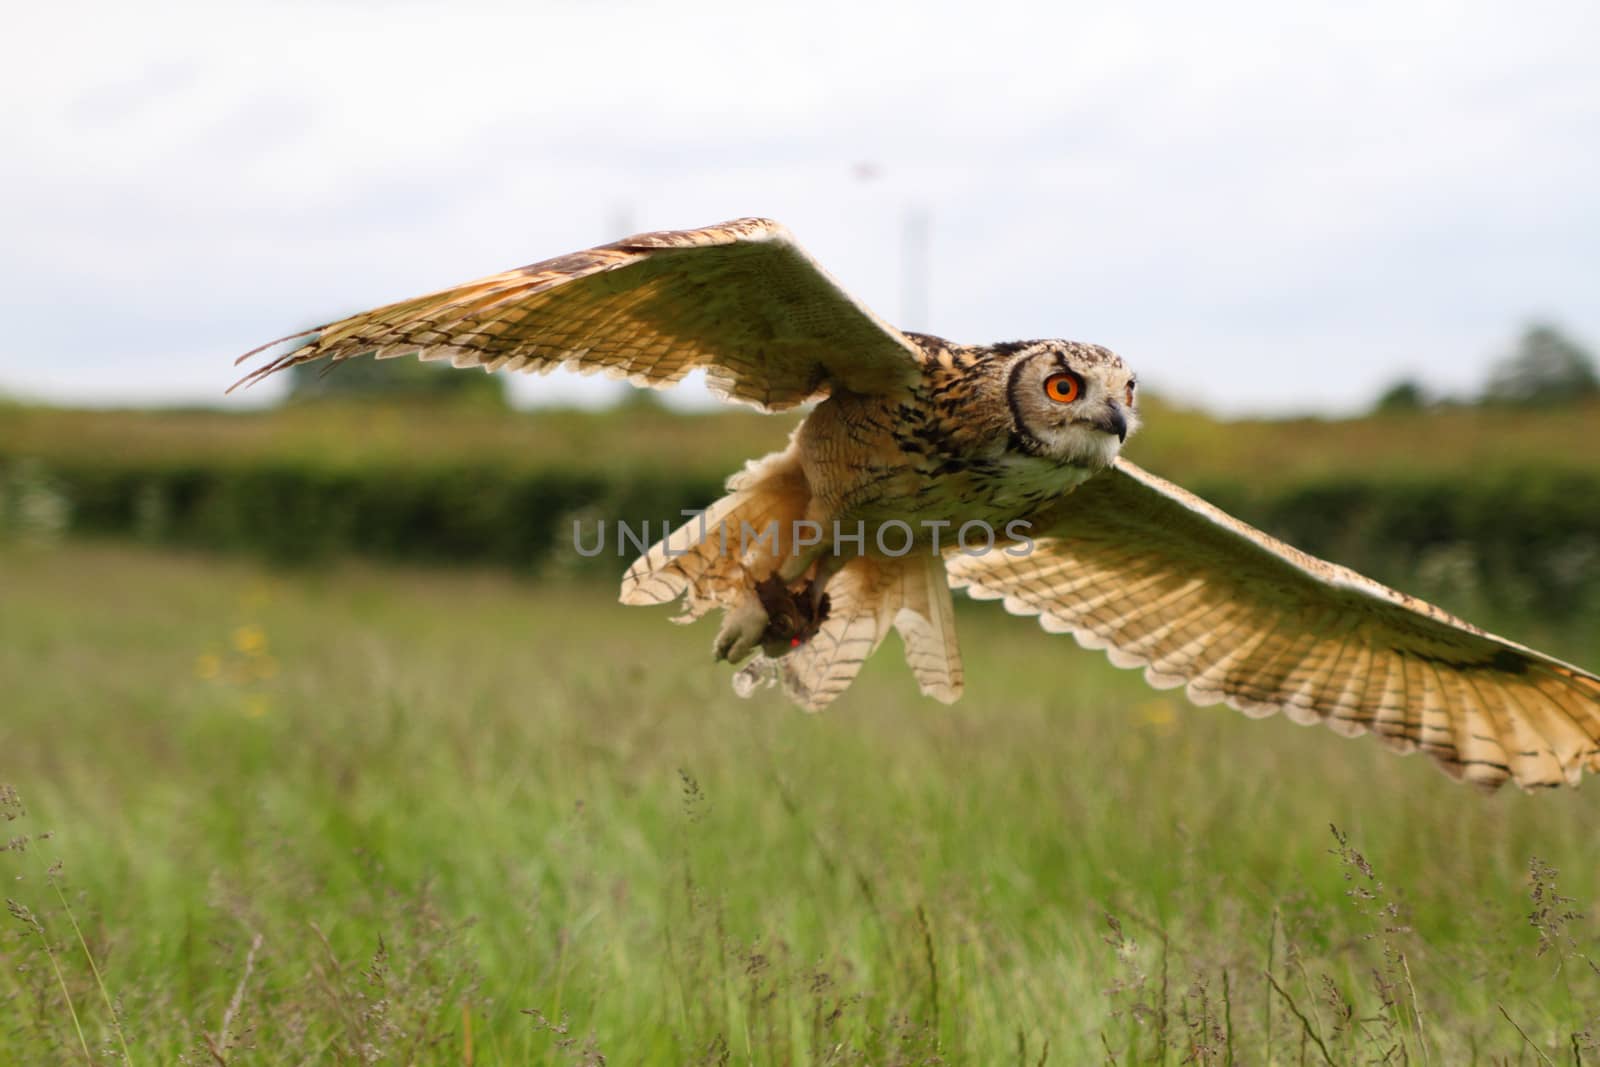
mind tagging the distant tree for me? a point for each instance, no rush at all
(640, 399)
(1406, 394)
(1547, 367)
(395, 379)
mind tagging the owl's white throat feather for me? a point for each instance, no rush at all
(1079, 445)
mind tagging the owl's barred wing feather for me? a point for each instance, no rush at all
(1162, 580)
(740, 300)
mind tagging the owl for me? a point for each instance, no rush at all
(924, 466)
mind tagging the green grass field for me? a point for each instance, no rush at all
(383, 816)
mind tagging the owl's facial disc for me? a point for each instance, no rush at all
(1071, 402)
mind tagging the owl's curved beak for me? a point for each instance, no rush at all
(1113, 421)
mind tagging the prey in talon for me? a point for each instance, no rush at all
(793, 618)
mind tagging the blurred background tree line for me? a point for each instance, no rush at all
(395, 379)
(1545, 368)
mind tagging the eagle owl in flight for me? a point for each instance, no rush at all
(912, 437)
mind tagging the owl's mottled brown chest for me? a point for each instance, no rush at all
(935, 454)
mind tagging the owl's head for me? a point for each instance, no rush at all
(1070, 401)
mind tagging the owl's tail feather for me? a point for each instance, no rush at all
(866, 597)
(926, 620)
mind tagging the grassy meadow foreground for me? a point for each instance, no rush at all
(370, 815)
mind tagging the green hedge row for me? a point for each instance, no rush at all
(473, 514)
(1512, 540)
(1516, 540)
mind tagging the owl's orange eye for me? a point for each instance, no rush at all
(1063, 388)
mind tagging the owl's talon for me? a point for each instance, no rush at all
(742, 630)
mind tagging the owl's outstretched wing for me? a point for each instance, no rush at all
(741, 300)
(1162, 580)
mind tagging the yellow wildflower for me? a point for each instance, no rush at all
(1159, 716)
(250, 639)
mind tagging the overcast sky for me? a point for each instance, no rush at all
(1263, 207)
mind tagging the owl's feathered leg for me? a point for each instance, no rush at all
(743, 627)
